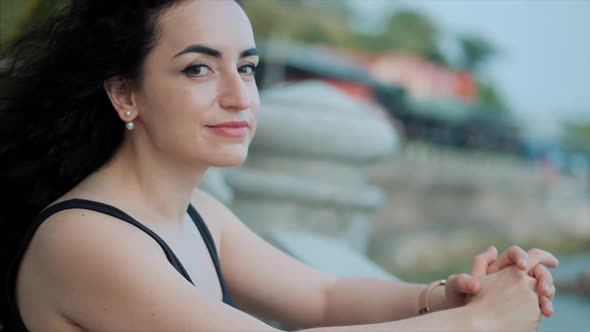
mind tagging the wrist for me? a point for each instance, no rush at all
(425, 303)
(438, 299)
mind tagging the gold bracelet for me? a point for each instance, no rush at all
(424, 298)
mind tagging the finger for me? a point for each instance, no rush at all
(464, 284)
(513, 255)
(538, 256)
(480, 264)
(546, 307)
(544, 279)
(552, 293)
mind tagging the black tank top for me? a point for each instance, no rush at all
(114, 212)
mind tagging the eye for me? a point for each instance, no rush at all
(197, 70)
(248, 69)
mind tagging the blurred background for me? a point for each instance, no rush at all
(400, 138)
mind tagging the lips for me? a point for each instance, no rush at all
(231, 128)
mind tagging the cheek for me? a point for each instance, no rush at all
(174, 116)
(186, 115)
(255, 106)
(192, 104)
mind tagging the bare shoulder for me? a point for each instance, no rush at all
(77, 226)
(71, 235)
(104, 274)
(71, 249)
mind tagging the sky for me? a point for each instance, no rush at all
(544, 67)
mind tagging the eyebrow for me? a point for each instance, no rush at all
(213, 52)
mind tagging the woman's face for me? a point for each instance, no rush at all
(198, 100)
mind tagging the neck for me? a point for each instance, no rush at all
(148, 179)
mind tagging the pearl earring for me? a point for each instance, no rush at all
(130, 124)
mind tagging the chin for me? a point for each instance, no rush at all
(228, 159)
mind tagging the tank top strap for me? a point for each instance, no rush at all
(113, 212)
(210, 243)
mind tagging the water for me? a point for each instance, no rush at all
(571, 312)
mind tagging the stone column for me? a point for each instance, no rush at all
(305, 169)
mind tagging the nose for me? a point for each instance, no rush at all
(234, 93)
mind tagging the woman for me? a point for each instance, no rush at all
(108, 132)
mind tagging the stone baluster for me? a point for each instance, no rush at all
(304, 172)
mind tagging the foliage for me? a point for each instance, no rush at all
(476, 51)
(488, 95)
(582, 129)
(576, 136)
(299, 20)
(18, 16)
(327, 22)
(414, 33)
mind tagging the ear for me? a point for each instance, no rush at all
(120, 92)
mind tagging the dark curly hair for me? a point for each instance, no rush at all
(57, 124)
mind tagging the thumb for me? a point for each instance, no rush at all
(459, 288)
(464, 284)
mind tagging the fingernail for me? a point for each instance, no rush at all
(524, 263)
(547, 287)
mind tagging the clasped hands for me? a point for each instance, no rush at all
(534, 262)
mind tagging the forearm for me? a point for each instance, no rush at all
(368, 300)
(458, 319)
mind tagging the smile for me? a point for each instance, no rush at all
(231, 129)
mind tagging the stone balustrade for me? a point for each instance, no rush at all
(305, 171)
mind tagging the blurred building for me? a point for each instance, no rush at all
(431, 103)
(423, 80)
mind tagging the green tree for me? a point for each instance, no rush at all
(412, 32)
(327, 22)
(488, 94)
(576, 136)
(476, 51)
(298, 20)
